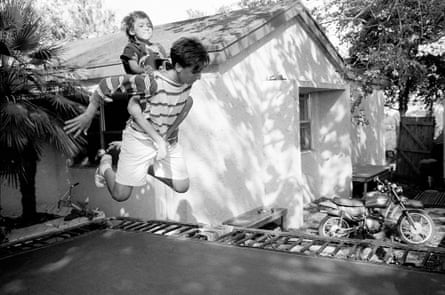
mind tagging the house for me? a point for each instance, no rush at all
(270, 125)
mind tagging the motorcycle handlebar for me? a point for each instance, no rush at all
(388, 185)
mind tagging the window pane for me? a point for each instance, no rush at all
(305, 137)
(305, 123)
(304, 112)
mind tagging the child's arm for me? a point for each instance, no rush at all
(130, 58)
(172, 131)
(161, 50)
(134, 67)
(82, 122)
(135, 110)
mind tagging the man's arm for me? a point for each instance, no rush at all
(172, 131)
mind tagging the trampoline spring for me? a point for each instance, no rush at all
(143, 227)
(269, 242)
(237, 237)
(228, 237)
(183, 229)
(247, 237)
(173, 228)
(353, 252)
(321, 249)
(123, 224)
(372, 253)
(307, 246)
(150, 227)
(432, 260)
(337, 249)
(425, 260)
(159, 228)
(282, 240)
(190, 231)
(261, 238)
(135, 226)
(404, 257)
(294, 244)
(388, 256)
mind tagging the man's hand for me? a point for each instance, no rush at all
(172, 137)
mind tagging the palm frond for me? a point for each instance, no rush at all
(64, 142)
(63, 105)
(41, 122)
(16, 129)
(11, 17)
(45, 54)
(4, 49)
(29, 13)
(12, 163)
(27, 38)
(9, 169)
(77, 94)
(33, 102)
(13, 83)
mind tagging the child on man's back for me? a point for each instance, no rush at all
(140, 54)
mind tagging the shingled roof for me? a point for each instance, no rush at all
(225, 35)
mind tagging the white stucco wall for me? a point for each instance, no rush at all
(368, 139)
(241, 140)
(327, 167)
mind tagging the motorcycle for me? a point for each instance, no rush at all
(378, 214)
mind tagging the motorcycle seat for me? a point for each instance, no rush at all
(347, 202)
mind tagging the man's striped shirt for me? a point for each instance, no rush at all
(162, 99)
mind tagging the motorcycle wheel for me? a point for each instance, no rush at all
(334, 227)
(422, 231)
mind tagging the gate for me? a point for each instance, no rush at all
(415, 143)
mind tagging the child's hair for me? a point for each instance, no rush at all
(189, 52)
(128, 22)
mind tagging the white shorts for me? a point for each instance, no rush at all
(138, 152)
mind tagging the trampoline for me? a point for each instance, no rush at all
(136, 259)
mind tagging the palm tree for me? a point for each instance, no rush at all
(33, 103)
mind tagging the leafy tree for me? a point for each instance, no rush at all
(384, 37)
(33, 105)
(194, 13)
(75, 19)
(256, 3)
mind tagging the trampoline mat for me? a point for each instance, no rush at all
(118, 262)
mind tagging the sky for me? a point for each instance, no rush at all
(165, 11)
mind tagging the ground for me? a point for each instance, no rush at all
(312, 217)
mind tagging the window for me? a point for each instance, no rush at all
(305, 123)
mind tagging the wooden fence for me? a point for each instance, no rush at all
(415, 143)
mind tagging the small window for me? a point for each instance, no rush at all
(305, 123)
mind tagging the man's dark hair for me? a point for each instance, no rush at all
(189, 52)
(128, 22)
